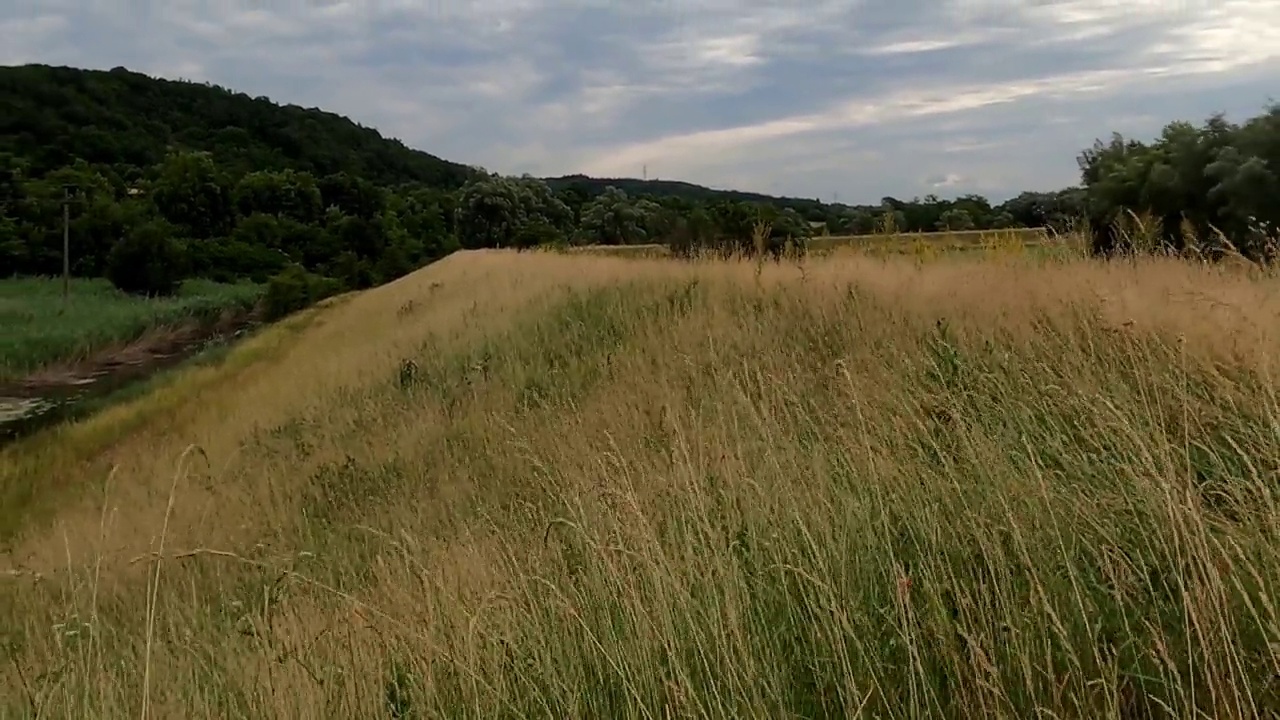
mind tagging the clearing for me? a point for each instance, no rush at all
(540, 485)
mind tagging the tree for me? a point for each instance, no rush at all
(1189, 182)
(11, 249)
(613, 218)
(575, 196)
(1245, 193)
(692, 233)
(977, 207)
(1056, 210)
(494, 211)
(787, 228)
(354, 196)
(1002, 220)
(193, 194)
(293, 288)
(545, 206)
(735, 225)
(147, 261)
(284, 194)
(955, 220)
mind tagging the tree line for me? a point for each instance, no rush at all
(1209, 189)
(192, 214)
(169, 180)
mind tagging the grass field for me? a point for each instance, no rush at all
(607, 487)
(35, 331)
(927, 244)
(950, 239)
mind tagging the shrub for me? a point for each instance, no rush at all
(294, 289)
(227, 259)
(147, 260)
(537, 233)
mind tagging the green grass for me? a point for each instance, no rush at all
(31, 468)
(36, 330)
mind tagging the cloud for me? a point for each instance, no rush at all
(860, 98)
(945, 181)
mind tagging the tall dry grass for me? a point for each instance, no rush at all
(547, 486)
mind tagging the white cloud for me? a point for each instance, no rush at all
(945, 181)
(968, 146)
(914, 46)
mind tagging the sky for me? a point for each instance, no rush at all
(847, 100)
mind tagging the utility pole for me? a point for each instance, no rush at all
(66, 243)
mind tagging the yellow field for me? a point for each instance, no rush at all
(608, 487)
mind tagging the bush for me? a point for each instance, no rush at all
(294, 289)
(537, 233)
(147, 260)
(692, 235)
(227, 259)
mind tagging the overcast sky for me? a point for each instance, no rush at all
(850, 98)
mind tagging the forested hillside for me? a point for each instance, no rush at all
(171, 179)
(126, 120)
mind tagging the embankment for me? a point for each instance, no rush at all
(540, 485)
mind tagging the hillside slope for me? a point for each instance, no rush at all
(117, 117)
(611, 488)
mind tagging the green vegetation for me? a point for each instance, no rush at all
(56, 116)
(295, 289)
(1056, 210)
(179, 180)
(994, 483)
(43, 473)
(174, 180)
(536, 485)
(35, 331)
(1209, 189)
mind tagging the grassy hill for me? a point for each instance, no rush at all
(55, 114)
(536, 485)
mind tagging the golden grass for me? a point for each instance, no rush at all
(949, 238)
(47, 467)
(642, 488)
(645, 250)
(926, 245)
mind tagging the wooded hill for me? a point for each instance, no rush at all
(56, 115)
